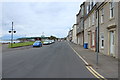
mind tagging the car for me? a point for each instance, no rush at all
(37, 44)
(53, 41)
(46, 42)
(50, 42)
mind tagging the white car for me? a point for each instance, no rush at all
(46, 43)
(53, 41)
(50, 41)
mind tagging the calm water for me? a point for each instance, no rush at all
(9, 41)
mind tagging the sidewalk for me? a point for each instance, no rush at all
(107, 66)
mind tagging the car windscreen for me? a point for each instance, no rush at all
(36, 43)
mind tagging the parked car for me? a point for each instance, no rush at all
(50, 41)
(53, 41)
(46, 42)
(37, 44)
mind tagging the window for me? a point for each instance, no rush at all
(93, 19)
(94, 2)
(91, 4)
(89, 21)
(111, 9)
(87, 9)
(102, 15)
(96, 18)
(93, 41)
(82, 10)
(102, 41)
(96, 14)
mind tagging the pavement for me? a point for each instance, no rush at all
(107, 66)
(57, 60)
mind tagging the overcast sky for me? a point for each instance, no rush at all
(34, 18)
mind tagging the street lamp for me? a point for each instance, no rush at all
(12, 31)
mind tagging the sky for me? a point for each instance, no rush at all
(37, 18)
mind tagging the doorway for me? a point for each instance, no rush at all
(112, 43)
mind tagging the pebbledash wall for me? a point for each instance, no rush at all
(108, 28)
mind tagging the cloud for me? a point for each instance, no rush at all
(40, 0)
(31, 18)
(0, 19)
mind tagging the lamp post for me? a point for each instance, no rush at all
(97, 39)
(12, 31)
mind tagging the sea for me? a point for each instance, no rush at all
(16, 41)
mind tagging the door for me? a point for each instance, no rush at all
(79, 39)
(112, 43)
(89, 39)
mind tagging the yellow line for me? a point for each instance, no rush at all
(93, 73)
(96, 74)
(79, 55)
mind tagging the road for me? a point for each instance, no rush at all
(57, 60)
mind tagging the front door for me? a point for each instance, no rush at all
(112, 43)
(89, 39)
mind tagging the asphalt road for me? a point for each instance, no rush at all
(57, 60)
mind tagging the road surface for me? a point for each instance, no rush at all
(57, 60)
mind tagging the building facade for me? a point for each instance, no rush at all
(102, 17)
(97, 24)
(80, 25)
(119, 30)
(108, 28)
(74, 36)
(69, 37)
(90, 25)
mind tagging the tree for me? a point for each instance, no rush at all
(52, 38)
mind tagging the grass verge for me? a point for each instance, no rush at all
(20, 44)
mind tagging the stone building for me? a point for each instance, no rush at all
(80, 25)
(90, 25)
(74, 37)
(97, 24)
(108, 28)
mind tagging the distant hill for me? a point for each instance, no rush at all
(8, 37)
